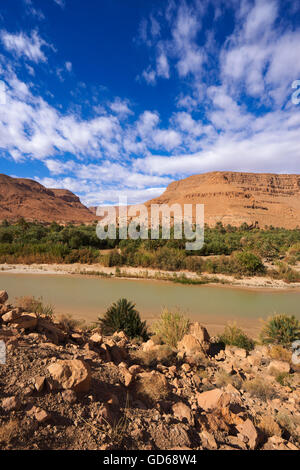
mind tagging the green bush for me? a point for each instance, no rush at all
(171, 327)
(235, 336)
(280, 329)
(249, 263)
(122, 316)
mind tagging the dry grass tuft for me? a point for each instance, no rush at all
(223, 379)
(259, 388)
(280, 353)
(8, 431)
(269, 426)
(68, 323)
(162, 355)
(152, 387)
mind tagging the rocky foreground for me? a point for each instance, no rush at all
(67, 388)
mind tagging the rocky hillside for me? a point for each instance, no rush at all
(67, 388)
(233, 198)
(26, 198)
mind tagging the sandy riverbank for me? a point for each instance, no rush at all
(255, 282)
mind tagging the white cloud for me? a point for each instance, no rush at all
(23, 45)
(68, 66)
(61, 3)
(120, 107)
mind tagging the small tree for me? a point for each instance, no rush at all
(280, 329)
(122, 316)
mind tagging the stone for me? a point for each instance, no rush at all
(209, 400)
(135, 369)
(39, 414)
(208, 441)
(69, 396)
(279, 366)
(27, 321)
(11, 315)
(96, 338)
(186, 367)
(218, 398)
(70, 374)
(128, 377)
(3, 296)
(201, 334)
(190, 345)
(248, 430)
(182, 412)
(11, 404)
(39, 383)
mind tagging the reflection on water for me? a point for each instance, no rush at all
(88, 298)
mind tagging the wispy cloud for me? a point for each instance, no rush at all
(22, 44)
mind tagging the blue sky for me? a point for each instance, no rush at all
(114, 97)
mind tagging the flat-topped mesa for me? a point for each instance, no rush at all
(234, 198)
(21, 197)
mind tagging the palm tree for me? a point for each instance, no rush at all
(122, 316)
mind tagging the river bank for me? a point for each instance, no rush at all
(129, 272)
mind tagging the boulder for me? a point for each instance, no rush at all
(248, 430)
(39, 383)
(218, 398)
(11, 315)
(69, 396)
(39, 414)
(27, 321)
(11, 404)
(96, 338)
(279, 366)
(182, 412)
(196, 341)
(70, 374)
(3, 296)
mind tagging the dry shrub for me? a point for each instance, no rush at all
(161, 355)
(269, 426)
(171, 327)
(152, 387)
(223, 379)
(280, 353)
(290, 423)
(8, 431)
(259, 388)
(68, 323)
(31, 304)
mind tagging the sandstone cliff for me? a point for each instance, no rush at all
(20, 197)
(233, 198)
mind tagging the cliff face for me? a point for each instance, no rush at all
(20, 197)
(233, 198)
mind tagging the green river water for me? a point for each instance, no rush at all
(88, 297)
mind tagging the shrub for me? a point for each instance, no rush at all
(122, 316)
(269, 426)
(235, 336)
(8, 431)
(162, 355)
(68, 323)
(223, 379)
(31, 304)
(259, 388)
(250, 263)
(152, 388)
(171, 327)
(280, 353)
(281, 329)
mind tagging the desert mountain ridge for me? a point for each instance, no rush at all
(21, 197)
(259, 199)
